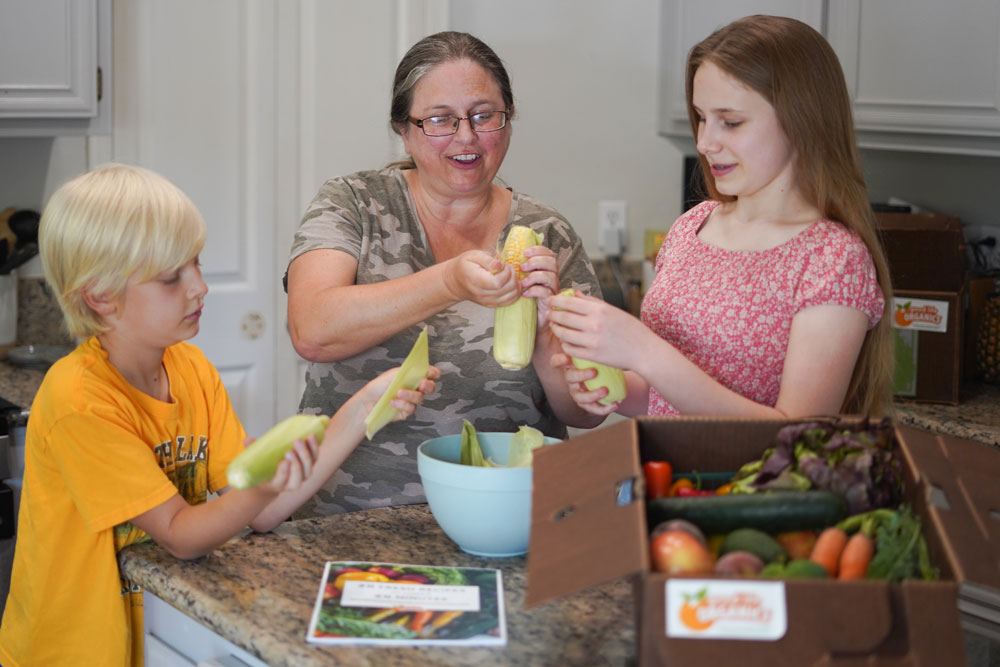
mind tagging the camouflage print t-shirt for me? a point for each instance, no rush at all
(371, 215)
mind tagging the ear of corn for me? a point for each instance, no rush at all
(411, 372)
(607, 376)
(514, 325)
(258, 462)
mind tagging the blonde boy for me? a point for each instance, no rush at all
(130, 432)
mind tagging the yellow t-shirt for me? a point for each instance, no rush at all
(98, 453)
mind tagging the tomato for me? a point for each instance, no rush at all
(658, 476)
(688, 491)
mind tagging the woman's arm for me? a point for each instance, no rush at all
(331, 318)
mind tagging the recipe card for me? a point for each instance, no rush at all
(389, 604)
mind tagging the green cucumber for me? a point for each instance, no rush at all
(771, 511)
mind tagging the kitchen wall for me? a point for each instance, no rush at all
(31, 169)
(585, 84)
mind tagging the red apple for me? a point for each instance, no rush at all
(677, 552)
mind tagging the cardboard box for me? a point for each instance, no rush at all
(589, 526)
(925, 252)
(929, 342)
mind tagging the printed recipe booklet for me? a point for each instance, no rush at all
(388, 604)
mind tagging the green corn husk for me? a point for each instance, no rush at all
(607, 376)
(411, 372)
(514, 329)
(258, 462)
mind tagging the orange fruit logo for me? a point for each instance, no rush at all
(689, 611)
(901, 310)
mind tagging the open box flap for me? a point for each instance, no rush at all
(588, 521)
(961, 480)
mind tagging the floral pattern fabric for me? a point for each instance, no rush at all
(731, 311)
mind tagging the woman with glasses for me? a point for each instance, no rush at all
(381, 254)
(768, 297)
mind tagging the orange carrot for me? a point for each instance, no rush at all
(828, 548)
(420, 620)
(856, 556)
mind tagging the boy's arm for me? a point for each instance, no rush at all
(190, 531)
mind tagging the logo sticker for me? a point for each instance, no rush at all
(920, 314)
(724, 609)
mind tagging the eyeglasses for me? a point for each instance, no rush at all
(443, 126)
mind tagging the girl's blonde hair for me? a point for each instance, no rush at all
(107, 225)
(794, 68)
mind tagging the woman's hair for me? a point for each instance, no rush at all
(107, 225)
(794, 68)
(435, 50)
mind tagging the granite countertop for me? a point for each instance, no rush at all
(258, 591)
(977, 416)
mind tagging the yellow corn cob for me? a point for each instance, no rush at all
(607, 376)
(409, 375)
(514, 325)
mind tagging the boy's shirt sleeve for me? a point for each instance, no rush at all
(110, 472)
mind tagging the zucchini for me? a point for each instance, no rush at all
(259, 461)
(772, 511)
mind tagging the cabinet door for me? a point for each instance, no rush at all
(48, 59)
(684, 23)
(923, 75)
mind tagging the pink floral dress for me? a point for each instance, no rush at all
(730, 311)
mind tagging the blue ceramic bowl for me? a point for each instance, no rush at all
(485, 511)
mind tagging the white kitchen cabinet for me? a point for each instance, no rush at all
(54, 67)
(684, 23)
(923, 75)
(174, 639)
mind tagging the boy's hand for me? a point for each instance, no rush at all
(296, 465)
(406, 400)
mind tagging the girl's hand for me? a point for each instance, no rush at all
(583, 397)
(592, 329)
(482, 278)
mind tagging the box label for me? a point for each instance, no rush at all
(920, 314)
(726, 609)
(382, 594)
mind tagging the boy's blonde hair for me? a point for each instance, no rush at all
(108, 224)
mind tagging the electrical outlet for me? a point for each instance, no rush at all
(611, 221)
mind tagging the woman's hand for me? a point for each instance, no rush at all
(583, 397)
(542, 279)
(482, 278)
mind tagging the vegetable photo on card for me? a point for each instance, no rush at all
(393, 604)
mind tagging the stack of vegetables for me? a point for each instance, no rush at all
(825, 501)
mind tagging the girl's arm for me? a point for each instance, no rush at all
(331, 318)
(823, 348)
